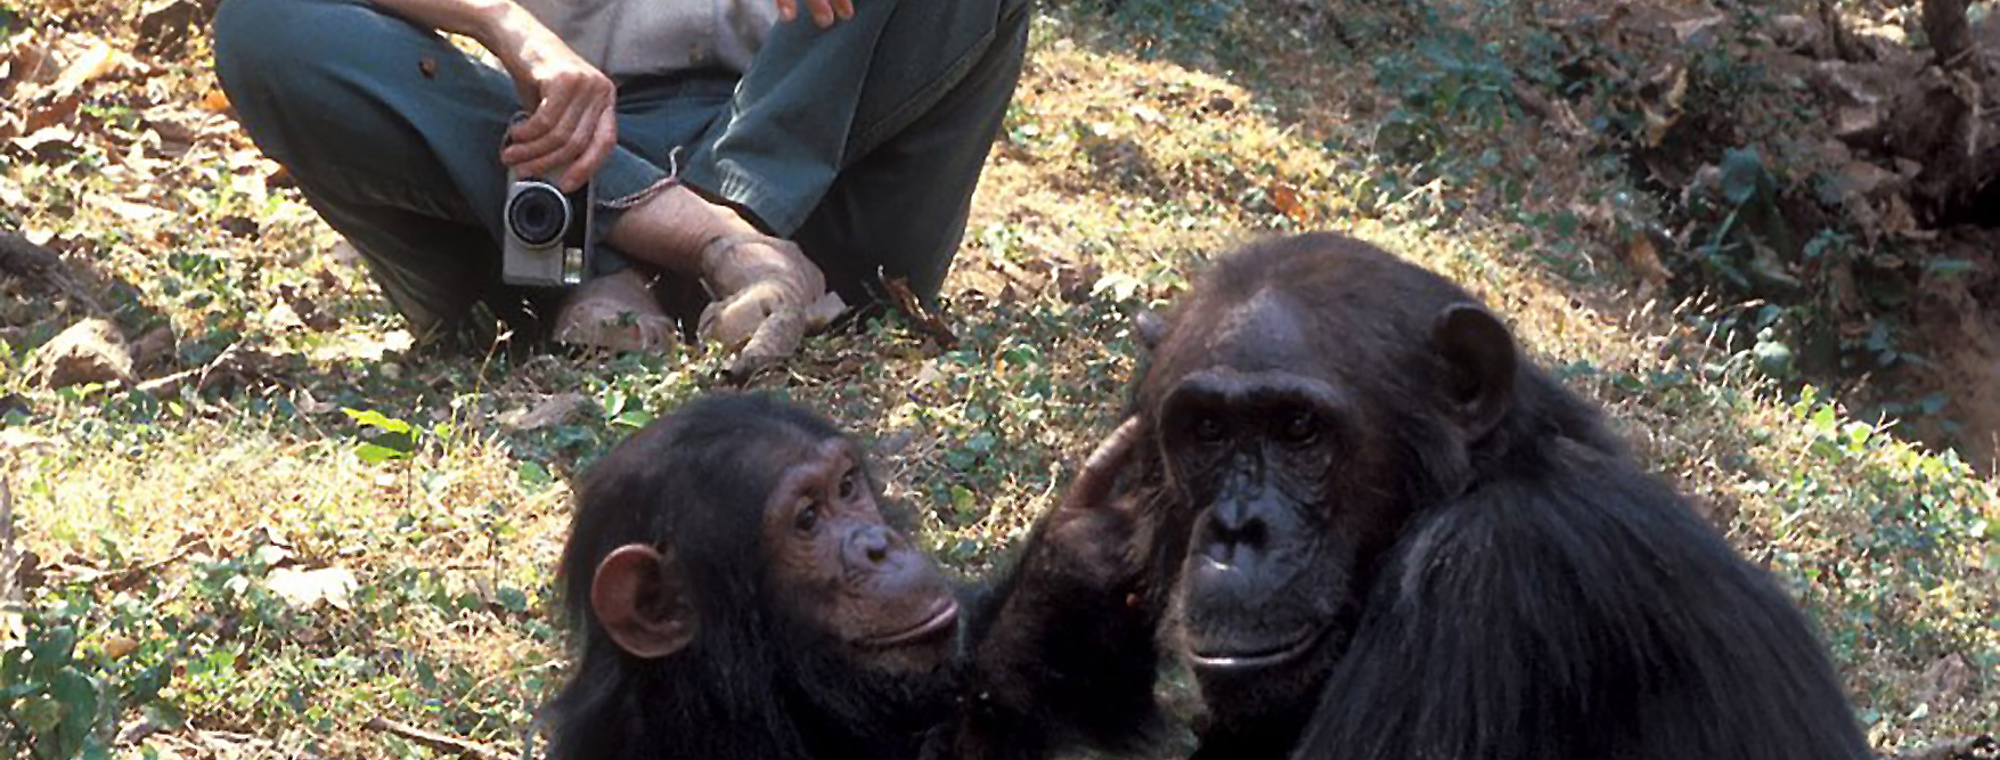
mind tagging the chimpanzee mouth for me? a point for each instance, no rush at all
(1287, 651)
(943, 616)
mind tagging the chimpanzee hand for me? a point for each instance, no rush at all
(824, 12)
(1093, 530)
(1077, 611)
(572, 120)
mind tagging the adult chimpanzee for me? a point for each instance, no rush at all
(1385, 534)
(738, 594)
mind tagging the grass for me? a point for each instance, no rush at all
(1139, 144)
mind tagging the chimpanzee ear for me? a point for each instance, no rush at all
(1480, 362)
(1150, 326)
(643, 600)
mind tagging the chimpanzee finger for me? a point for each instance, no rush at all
(1101, 469)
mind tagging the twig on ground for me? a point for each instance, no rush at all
(925, 322)
(435, 741)
(1981, 747)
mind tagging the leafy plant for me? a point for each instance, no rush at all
(51, 704)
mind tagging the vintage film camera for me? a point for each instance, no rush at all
(548, 240)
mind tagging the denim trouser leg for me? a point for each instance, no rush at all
(864, 141)
(394, 137)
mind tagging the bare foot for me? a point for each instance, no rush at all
(617, 313)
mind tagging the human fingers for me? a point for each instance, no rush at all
(777, 337)
(599, 136)
(559, 145)
(544, 114)
(844, 9)
(733, 320)
(788, 10)
(829, 307)
(822, 12)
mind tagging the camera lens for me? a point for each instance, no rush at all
(538, 213)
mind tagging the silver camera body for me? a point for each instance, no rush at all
(548, 237)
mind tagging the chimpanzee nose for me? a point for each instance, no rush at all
(1232, 532)
(873, 544)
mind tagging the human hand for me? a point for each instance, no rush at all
(572, 122)
(824, 12)
(767, 296)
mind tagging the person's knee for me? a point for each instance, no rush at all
(268, 48)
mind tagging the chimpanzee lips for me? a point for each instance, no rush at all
(1226, 657)
(941, 618)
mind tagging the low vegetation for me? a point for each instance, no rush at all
(283, 530)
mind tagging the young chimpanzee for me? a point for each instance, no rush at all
(737, 593)
(1385, 534)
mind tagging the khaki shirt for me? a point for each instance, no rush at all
(633, 37)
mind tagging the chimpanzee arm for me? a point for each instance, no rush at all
(1061, 651)
(1582, 611)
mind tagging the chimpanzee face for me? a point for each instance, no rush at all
(842, 570)
(1268, 456)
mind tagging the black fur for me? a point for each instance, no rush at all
(756, 684)
(1533, 593)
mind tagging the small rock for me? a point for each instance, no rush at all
(165, 26)
(302, 589)
(157, 344)
(1795, 32)
(560, 409)
(90, 351)
(1861, 179)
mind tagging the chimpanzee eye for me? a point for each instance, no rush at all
(1301, 429)
(807, 519)
(1208, 430)
(849, 484)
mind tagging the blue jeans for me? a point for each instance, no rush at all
(862, 142)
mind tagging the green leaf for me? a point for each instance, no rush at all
(53, 648)
(962, 500)
(534, 476)
(377, 420)
(1946, 268)
(78, 696)
(1742, 175)
(375, 453)
(512, 599)
(633, 418)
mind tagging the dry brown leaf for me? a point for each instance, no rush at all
(215, 101)
(117, 647)
(48, 143)
(1291, 205)
(1644, 258)
(96, 62)
(124, 209)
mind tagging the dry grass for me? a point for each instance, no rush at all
(1118, 176)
